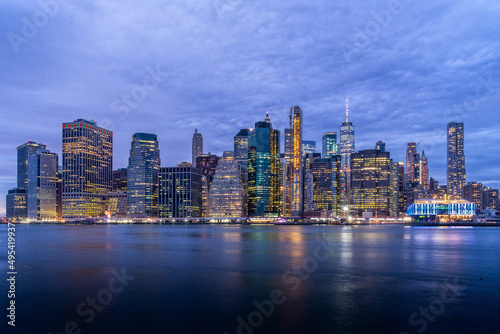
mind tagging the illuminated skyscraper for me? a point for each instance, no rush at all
(87, 168)
(411, 152)
(473, 192)
(264, 170)
(456, 159)
(424, 171)
(371, 182)
(120, 180)
(226, 193)
(297, 171)
(287, 171)
(490, 198)
(347, 146)
(207, 163)
(197, 146)
(16, 205)
(179, 192)
(326, 183)
(23, 153)
(329, 144)
(142, 176)
(42, 198)
(308, 146)
(241, 147)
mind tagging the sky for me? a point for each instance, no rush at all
(170, 67)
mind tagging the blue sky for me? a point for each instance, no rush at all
(168, 67)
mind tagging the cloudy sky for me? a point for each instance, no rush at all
(168, 67)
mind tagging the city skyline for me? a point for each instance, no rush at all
(405, 83)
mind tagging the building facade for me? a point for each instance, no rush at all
(297, 168)
(42, 200)
(16, 204)
(327, 192)
(179, 192)
(329, 144)
(142, 176)
(87, 168)
(473, 192)
(120, 180)
(196, 146)
(455, 160)
(23, 153)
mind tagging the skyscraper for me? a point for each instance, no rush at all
(263, 170)
(326, 183)
(227, 193)
(371, 182)
(473, 192)
(297, 172)
(241, 147)
(87, 168)
(15, 203)
(380, 145)
(308, 146)
(287, 172)
(207, 163)
(411, 152)
(120, 179)
(456, 159)
(42, 198)
(329, 144)
(23, 153)
(424, 171)
(179, 193)
(347, 146)
(142, 176)
(197, 146)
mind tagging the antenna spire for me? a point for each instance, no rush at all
(347, 109)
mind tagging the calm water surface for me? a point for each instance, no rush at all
(208, 279)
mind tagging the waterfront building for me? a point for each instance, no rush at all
(371, 182)
(264, 170)
(23, 153)
(16, 206)
(142, 176)
(455, 160)
(227, 192)
(42, 200)
(196, 146)
(430, 210)
(120, 180)
(473, 192)
(87, 168)
(116, 204)
(490, 198)
(329, 144)
(180, 191)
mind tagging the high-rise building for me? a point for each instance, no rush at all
(411, 153)
(287, 171)
(456, 160)
(116, 204)
(347, 146)
(380, 145)
(87, 168)
(490, 198)
(297, 170)
(16, 205)
(329, 144)
(264, 170)
(197, 146)
(142, 176)
(120, 180)
(308, 146)
(179, 194)
(23, 153)
(424, 171)
(308, 191)
(433, 184)
(326, 174)
(227, 192)
(207, 163)
(371, 182)
(42, 198)
(473, 192)
(241, 148)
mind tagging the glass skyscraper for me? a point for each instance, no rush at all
(142, 176)
(42, 198)
(263, 170)
(87, 168)
(456, 160)
(329, 144)
(23, 153)
(347, 146)
(326, 174)
(308, 146)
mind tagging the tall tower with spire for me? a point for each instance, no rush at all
(197, 146)
(346, 139)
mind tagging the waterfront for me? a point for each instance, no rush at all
(201, 279)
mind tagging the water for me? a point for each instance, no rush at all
(202, 279)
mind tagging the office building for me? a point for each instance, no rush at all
(329, 144)
(297, 170)
(227, 192)
(87, 168)
(473, 192)
(16, 206)
(326, 175)
(42, 200)
(207, 163)
(264, 170)
(142, 176)
(411, 154)
(241, 148)
(424, 172)
(179, 192)
(455, 178)
(308, 146)
(116, 204)
(120, 180)
(23, 153)
(380, 145)
(490, 198)
(197, 146)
